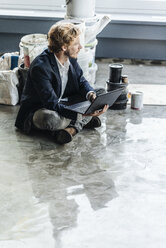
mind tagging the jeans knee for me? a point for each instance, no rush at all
(49, 120)
(44, 120)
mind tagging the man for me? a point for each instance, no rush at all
(54, 75)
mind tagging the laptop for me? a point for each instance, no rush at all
(87, 107)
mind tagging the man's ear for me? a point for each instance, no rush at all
(64, 48)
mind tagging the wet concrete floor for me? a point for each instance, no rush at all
(107, 188)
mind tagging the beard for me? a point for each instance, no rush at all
(68, 54)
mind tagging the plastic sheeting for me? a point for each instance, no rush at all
(8, 78)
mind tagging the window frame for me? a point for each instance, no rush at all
(147, 7)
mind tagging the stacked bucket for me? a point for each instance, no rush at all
(30, 45)
(82, 13)
(117, 80)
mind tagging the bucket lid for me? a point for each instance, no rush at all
(33, 39)
(117, 66)
(73, 21)
(137, 93)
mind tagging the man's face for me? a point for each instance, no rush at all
(74, 48)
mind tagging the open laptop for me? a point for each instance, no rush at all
(87, 107)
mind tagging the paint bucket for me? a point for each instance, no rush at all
(92, 74)
(119, 105)
(113, 86)
(84, 57)
(80, 8)
(86, 60)
(137, 100)
(91, 47)
(32, 45)
(121, 101)
(124, 79)
(115, 73)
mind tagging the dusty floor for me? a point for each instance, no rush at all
(105, 189)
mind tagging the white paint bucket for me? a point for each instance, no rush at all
(84, 57)
(92, 74)
(80, 8)
(137, 100)
(32, 45)
(91, 47)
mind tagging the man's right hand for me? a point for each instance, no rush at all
(91, 96)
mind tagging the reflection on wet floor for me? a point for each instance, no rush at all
(104, 189)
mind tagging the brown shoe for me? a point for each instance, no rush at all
(93, 123)
(64, 136)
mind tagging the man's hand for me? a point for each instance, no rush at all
(98, 112)
(91, 96)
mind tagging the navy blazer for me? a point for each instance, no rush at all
(43, 88)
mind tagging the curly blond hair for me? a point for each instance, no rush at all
(61, 34)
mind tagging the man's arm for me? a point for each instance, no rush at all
(42, 83)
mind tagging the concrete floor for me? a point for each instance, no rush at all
(105, 189)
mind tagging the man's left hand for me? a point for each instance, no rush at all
(99, 112)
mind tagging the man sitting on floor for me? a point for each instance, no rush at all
(53, 75)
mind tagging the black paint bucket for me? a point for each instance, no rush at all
(119, 105)
(115, 73)
(123, 96)
(114, 86)
(121, 102)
